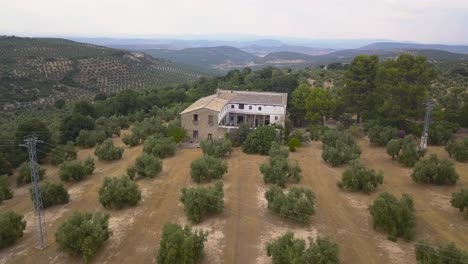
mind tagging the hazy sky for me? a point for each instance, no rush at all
(435, 21)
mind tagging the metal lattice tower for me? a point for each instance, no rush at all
(427, 124)
(30, 143)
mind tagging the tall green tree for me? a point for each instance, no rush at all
(402, 87)
(298, 108)
(320, 103)
(358, 91)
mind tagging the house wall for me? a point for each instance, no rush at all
(202, 125)
(274, 111)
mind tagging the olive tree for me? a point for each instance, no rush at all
(288, 249)
(53, 194)
(146, 165)
(63, 153)
(458, 149)
(216, 147)
(380, 135)
(358, 178)
(180, 244)
(201, 201)
(435, 171)
(339, 148)
(24, 174)
(460, 200)
(394, 216)
(76, 170)
(297, 204)
(207, 168)
(5, 190)
(116, 193)
(393, 147)
(279, 171)
(107, 151)
(160, 147)
(404, 150)
(12, 226)
(448, 254)
(259, 140)
(83, 234)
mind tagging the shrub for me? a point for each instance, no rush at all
(293, 144)
(409, 153)
(75, 170)
(107, 151)
(160, 147)
(180, 245)
(53, 194)
(277, 150)
(12, 226)
(201, 201)
(216, 147)
(89, 138)
(435, 171)
(63, 153)
(394, 216)
(207, 168)
(460, 200)
(297, 204)
(339, 148)
(440, 134)
(426, 254)
(146, 165)
(458, 149)
(300, 135)
(317, 132)
(393, 148)
(5, 165)
(358, 178)
(116, 193)
(177, 133)
(380, 135)
(279, 171)
(287, 249)
(239, 136)
(24, 174)
(150, 126)
(259, 140)
(5, 190)
(131, 140)
(83, 233)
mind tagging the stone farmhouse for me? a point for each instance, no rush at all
(214, 115)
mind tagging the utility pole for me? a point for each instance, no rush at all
(30, 143)
(427, 124)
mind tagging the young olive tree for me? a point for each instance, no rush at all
(460, 200)
(24, 174)
(53, 194)
(297, 204)
(216, 147)
(76, 170)
(160, 147)
(458, 149)
(380, 135)
(117, 193)
(358, 178)
(12, 226)
(107, 151)
(5, 191)
(449, 254)
(435, 171)
(146, 165)
(201, 201)
(339, 148)
(259, 140)
(207, 168)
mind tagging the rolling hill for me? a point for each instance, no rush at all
(265, 50)
(40, 70)
(414, 46)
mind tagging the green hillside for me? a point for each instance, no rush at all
(40, 70)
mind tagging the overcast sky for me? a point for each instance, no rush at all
(434, 21)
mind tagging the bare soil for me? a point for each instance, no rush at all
(239, 234)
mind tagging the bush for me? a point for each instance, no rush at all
(380, 135)
(5, 190)
(300, 135)
(5, 165)
(24, 174)
(146, 165)
(394, 216)
(160, 147)
(277, 150)
(116, 193)
(358, 178)
(435, 171)
(409, 153)
(180, 245)
(339, 148)
(426, 254)
(393, 148)
(458, 149)
(287, 249)
(317, 132)
(177, 133)
(131, 140)
(239, 136)
(207, 168)
(83, 233)
(75, 170)
(440, 134)
(89, 138)
(216, 147)
(279, 171)
(53, 194)
(297, 204)
(201, 201)
(460, 200)
(63, 153)
(259, 140)
(12, 226)
(107, 151)
(293, 144)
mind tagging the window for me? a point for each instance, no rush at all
(210, 136)
(195, 117)
(276, 117)
(250, 107)
(259, 108)
(241, 106)
(210, 120)
(232, 118)
(232, 106)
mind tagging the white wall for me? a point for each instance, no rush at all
(266, 109)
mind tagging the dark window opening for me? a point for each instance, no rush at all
(210, 120)
(210, 136)
(241, 106)
(195, 117)
(232, 106)
(250, 107)
(259, 108)
(276, 118)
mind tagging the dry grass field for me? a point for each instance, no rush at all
(239, 234)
